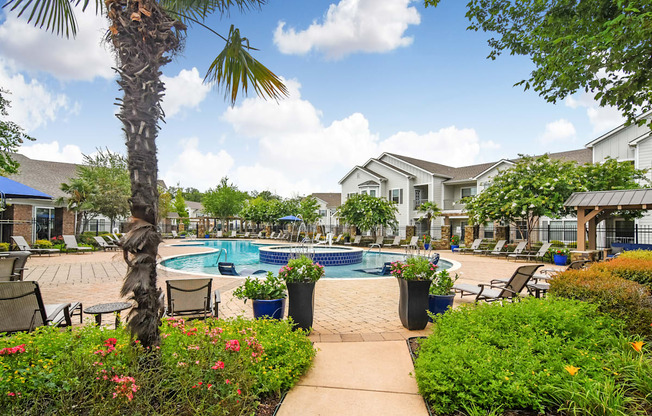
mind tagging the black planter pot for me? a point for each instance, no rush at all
(438, 304)
(413, 303)
(301, 298)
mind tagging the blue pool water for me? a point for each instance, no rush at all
(244, 253)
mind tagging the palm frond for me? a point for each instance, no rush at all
(57, 16)
(235, 67)
(200, 9)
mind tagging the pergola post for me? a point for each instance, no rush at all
(581, 234)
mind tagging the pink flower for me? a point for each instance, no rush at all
(233, 345)
(218, 365)
(227, 381)
(239, 392)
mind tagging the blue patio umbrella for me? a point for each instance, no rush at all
(13, 189)
(290, 218)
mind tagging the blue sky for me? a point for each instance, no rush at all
(365, 76)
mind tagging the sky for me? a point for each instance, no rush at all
(365, 77)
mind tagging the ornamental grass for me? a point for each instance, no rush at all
(215, 367)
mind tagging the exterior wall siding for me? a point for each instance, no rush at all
(645, 162)
(617, 146)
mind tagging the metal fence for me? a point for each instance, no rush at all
(605, 236)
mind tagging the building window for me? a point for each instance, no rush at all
(350, 194)
(322, 212)
(372, 192)
(396, 195)
(363, 193)
(467, 192)
(489, 230)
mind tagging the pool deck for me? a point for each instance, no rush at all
(349, 310)
(362, 366)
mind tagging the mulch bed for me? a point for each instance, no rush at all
(413, 346)
(269, 405)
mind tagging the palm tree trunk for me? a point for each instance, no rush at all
(143, 36)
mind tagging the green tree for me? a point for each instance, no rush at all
(107, 174)
(309, 209)
(179, 206)
(611, 174)
(266, 195)
(79, 200)
(429, 211)
(164, 203)
(11, 137)
(601, 46)
(145, 36)
(224, 201)
(255, 210)
(532, 188)
(189, 194)
(368, 212)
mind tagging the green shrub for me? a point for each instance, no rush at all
(214, 367)
(557, 243)
(519, 356)
(630, 267)
(43, 244)
(414, 268)
(572, 245)
(621, 298)
(4, 246)
(301, 270)
(637, 254)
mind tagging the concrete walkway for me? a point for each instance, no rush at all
(357, 378)
(363, 364)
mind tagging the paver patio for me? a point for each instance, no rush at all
(362, 365)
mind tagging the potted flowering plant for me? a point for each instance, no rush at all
(441, 296)
(300, 276)
(267, 295)
(455, 242)
(414, 277)
(560, 255)
(426, 241)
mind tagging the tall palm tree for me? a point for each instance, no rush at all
(145, 34)
(429, 210)
(78, 201)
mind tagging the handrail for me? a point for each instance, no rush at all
(219, 255)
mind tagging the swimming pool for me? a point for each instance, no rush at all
(244, 253)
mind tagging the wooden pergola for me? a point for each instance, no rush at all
(594, 207)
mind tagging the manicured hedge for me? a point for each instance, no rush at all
(630, 265)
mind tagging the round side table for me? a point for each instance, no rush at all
(102, 308)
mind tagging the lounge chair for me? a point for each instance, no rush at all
(228, 269)
(547, 274)
(20, 241)
(499, 289)
(412, 244)
(381, 271)
(19, 263)
(527, 256)
(338, 239)
(474, 246)
(316, 238)
(260, 235)
(245, 235)
(355, 242)
(192, 298)
(104, 245)
(395, 243)
(7, 269)
(378, 243)
(22, 308)
(434, 259)
(174, 234)
(498, 248)
(71, 244)
(234, 234)
(520, 247)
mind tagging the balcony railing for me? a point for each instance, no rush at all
(453, 204)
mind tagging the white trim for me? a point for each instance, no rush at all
(415, 166)
(614, 131)
(389, 166)
(493, 166)
(640, 138)
(365, 170)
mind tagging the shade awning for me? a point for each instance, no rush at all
(16, 190)
(629, 198)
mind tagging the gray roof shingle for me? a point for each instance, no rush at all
(611, 199)
(43, 175)
(332, 199)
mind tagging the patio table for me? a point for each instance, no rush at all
(102, 308)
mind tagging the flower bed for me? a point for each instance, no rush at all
(202, 367)
(544, 355)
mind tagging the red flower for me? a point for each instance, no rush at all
(233, 345)
(218, 365)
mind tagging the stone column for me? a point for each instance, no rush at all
(445, 243)
(468, 235)
(500, 232)
(410, 231)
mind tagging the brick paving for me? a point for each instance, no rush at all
(355, 310)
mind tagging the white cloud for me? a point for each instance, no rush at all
(556, 131)
(185, 90)
(51, 151)
(82, 58)
(197, 168)
(352, 26)
(601, 118)
(301, 154)
(32, 105)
